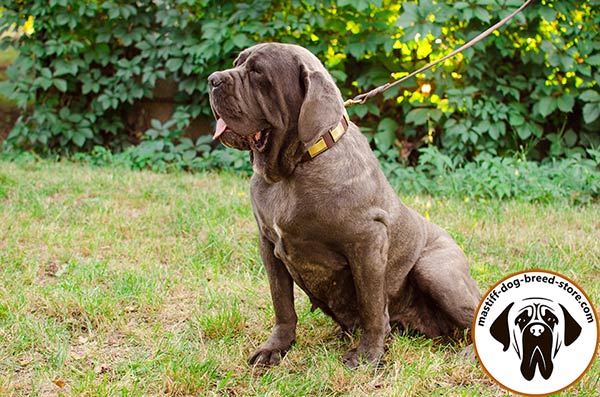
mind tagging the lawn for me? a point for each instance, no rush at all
(115, 282)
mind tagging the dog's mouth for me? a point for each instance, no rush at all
(258, 141)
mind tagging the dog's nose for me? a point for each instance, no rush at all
(536, 330)
(216, 79)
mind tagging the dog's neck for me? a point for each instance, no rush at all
(279, 162)
(327, 140)
(283, 157)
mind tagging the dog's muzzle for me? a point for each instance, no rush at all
(537, 350)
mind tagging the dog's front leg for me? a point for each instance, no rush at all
(368, 261)
(282, 294)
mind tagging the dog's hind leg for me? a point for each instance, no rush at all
(442, 274)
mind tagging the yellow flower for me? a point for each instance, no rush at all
(424, 49)
(28, 28)
(353, 27)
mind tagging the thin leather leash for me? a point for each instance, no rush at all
(362, 98)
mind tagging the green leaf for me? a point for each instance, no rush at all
(63, 67)
(47, 73)
(435, 114)
(79, 139)
(240, 40)
(524, 132)
(482, 14)
(387, 124)
(591, 111)
(594, 60)
(63, 19)
(516, 119)
(344, 3)
(386, 133)
(156, 124)
(497, 130)
(338, 75)
(174, 64)
(536, 129)
(590, 96)
(409, 15)
(547, 13)
(357, 50)
(60, 84)
(484, 127)
(113, 12)
(189, 155)
(360, 110)
(565, 103)
(43, 82)
(547, 105)
(361, 5)
(418, 116)
(570, 138)
(64, 112)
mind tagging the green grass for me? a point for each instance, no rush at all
(116, 282)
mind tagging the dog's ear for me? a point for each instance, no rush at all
(572, 327)
(242, 56)
(322, 108)
(499, 328)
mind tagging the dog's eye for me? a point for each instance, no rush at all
(254, 67)
(551, 321)
(523, 319)
(549, 317)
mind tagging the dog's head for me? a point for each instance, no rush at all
(276, 101)
(537, 329)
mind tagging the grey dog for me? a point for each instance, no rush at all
(328, 219)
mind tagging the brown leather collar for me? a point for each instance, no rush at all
(328, 139)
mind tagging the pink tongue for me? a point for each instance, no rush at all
(220, 128)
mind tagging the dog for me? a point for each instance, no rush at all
(537, 327)
(328, 220)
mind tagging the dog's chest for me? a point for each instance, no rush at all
(300, 240)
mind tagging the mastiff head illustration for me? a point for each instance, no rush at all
(536, 328)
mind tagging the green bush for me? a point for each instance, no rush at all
(532, 88)
(490, 177)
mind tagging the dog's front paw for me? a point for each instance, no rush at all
(355, 357)
(274, 349)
